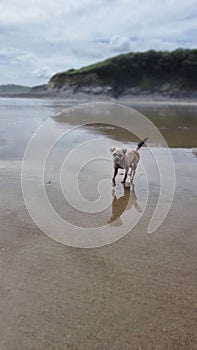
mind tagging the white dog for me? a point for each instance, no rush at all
(125, 159)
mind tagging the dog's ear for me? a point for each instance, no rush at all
(124, 150)
(112, 149)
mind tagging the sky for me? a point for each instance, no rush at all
(39, 38)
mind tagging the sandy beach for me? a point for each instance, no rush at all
(137, 293)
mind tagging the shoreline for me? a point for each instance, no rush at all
(142, 99)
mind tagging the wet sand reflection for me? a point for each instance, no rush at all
(123, 202)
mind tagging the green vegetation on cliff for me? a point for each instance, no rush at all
(149, 70)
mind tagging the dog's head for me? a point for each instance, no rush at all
(118, 154)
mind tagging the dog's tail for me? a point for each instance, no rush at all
(140, 144)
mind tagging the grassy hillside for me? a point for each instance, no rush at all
(146, 70)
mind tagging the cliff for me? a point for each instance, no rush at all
(164, 73)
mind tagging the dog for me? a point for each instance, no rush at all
(125, 159)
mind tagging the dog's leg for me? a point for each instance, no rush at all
(132, 185)
(115, 173)
(133, 173)
(125, 176)
(134, 167)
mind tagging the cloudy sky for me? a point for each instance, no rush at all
(41, 37)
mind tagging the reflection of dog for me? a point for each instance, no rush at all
(123, 203)
(125, 159)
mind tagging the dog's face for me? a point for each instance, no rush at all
(118, 154)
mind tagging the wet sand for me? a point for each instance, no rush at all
(137, 293)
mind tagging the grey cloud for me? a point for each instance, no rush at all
(120, 44)
(53, 35)
(43, 72)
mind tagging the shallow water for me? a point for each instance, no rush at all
(20, 119)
